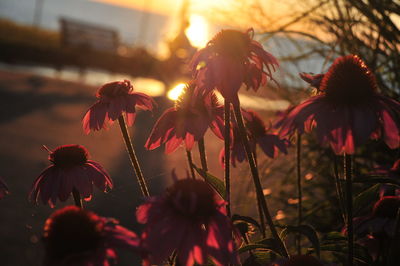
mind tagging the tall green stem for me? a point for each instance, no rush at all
(227, 162)
(299, 191)
(77, 198)
(260, 211)
(203, 157)
(349, 201)
(256, 179)
(190, 163)
(339, 190)
(133, 158)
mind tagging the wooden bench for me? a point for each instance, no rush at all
(88, 36)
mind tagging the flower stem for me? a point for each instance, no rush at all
(300, 196)
(77, 198)
(339, 190)
(256, 179)
(132, 156)
(203, 157)
(260, 211)
(190, 163)
(397, 224)
(349, 199)
(227, 141)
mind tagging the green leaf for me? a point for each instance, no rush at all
(254, 246)
(305, 230)
(365, 198)
(246, 219)
(260, 258)
(215, 182)
(377, 179)
(360, 252)
(334, 236)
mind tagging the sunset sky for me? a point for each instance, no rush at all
(167, 7)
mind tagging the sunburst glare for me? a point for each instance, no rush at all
(198, 30)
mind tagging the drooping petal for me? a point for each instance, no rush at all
(142, 100)
(217, 124)
(172, 144)
(192, 247)
(130, 118)
(391, 132)
(99, 176)
(163, 125)
(95, 118)
(116, 107)
(220, 243)
(164, 236)
(189, 141)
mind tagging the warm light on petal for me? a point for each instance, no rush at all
(176, 91)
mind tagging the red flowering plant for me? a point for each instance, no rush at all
(348, 110)
(74, 236)
(115, 99)
(189, 218)
(258, 133)
(379, 231)
(187, 121)
(70, 172)
(230, 59)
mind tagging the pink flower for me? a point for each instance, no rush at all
(230, 59)
(115, 98)
(3, 189)
(187, 121)
(190, 219)
(381, 222)
(74, 236)
(70, 170)
(270, 144)
(391, 172)
(376, 230)
(348, 110)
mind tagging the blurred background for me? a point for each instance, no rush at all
(54, 54)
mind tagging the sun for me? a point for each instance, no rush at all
(198, 30)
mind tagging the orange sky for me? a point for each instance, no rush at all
(166, 6)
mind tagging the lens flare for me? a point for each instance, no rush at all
(197, 31)
(176, 91)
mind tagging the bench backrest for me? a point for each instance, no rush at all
(79, 34)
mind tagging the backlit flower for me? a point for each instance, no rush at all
(115, 98)
(377, 230)
(70, 170)
(230, 59)
(189, 218)
(381, 222)
(391, 172)
(3, 189)
(74, 236)
(187, 121)
(348, 110)
(259, 134)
